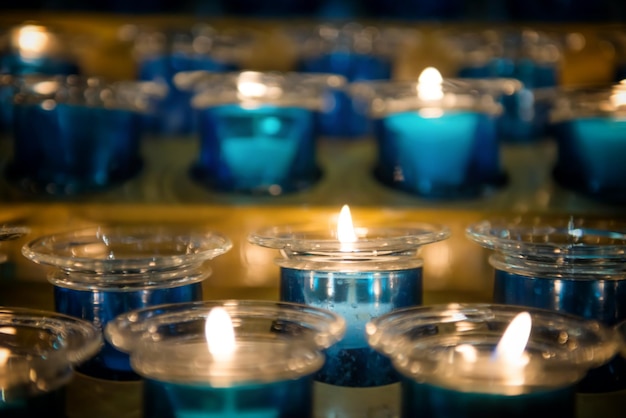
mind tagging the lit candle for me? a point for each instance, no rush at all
(230, 359)
(38, 351)
(471, 361)
(590, 125)
(99, 273)
(257, 129)
(570, 265)
(435, 138)
(359, 273)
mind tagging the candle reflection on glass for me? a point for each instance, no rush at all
(489, 360)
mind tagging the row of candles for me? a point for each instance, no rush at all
(349, 318)
(436, 137)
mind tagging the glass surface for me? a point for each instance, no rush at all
(284, 399)
(265, 150)
(100, 307)
(358, 297)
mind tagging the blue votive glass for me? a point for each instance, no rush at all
(529, 56)
(257, 130)
(570, 265)
(450, 366)
(75, 135)
(443, 148)
(590, 128)
(357, 53)
(103, 272)
(162, 54)
(268, 372)
(380, 272)
(38, 352)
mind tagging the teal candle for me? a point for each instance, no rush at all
(479, 360)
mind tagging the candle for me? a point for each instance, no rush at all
(161, 55)
(569, 265)
(529, 56)
(103, 272)
(489, 360)
(359, 273)
(355, 52)
(436, 138)
(38, 351)
(257, 132)
(74, 135)
(227, 359)
(590, 124)
(37, 49)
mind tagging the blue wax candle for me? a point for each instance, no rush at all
(590, 151)
(284, 399)
(343, 117)
(66, 149)
(48, 404)
(101, 306)
(174, 114)
(452, 155)
(425, 400)
(267, 149)
(357, 297)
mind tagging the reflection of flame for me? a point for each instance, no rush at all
(511, 350)
(4, 356)
(220, 335)
(345, 229)
(618, 98)
(32, 41)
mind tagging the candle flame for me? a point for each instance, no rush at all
(5, 353)
(345, 229)
(618, 98)
(252, 86)
(220, 335)
(32, 40)
(429, 89)
(511, 350)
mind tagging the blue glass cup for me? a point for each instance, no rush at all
(589, 128)
(485, 361)
(74, 135)
(568, 265)
(360, 280)
(257, 130)
(161, 54)
(532, 57)
(103, 272)
(227, 358)
(357, 53)
(443, 147)
(38, 353)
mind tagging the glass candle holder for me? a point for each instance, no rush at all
(532, 57)
(257, 131)
(266, 371)
(442, 146)
(9, 233)
(33, 48)
(38, 352)
(75, 135)
(103, 272)
(161, 54)
(456, 360)
(589, 127)
(569, 265)
(360, 280)
(355, 52)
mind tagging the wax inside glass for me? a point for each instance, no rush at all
(266, 149)
(358, 297)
